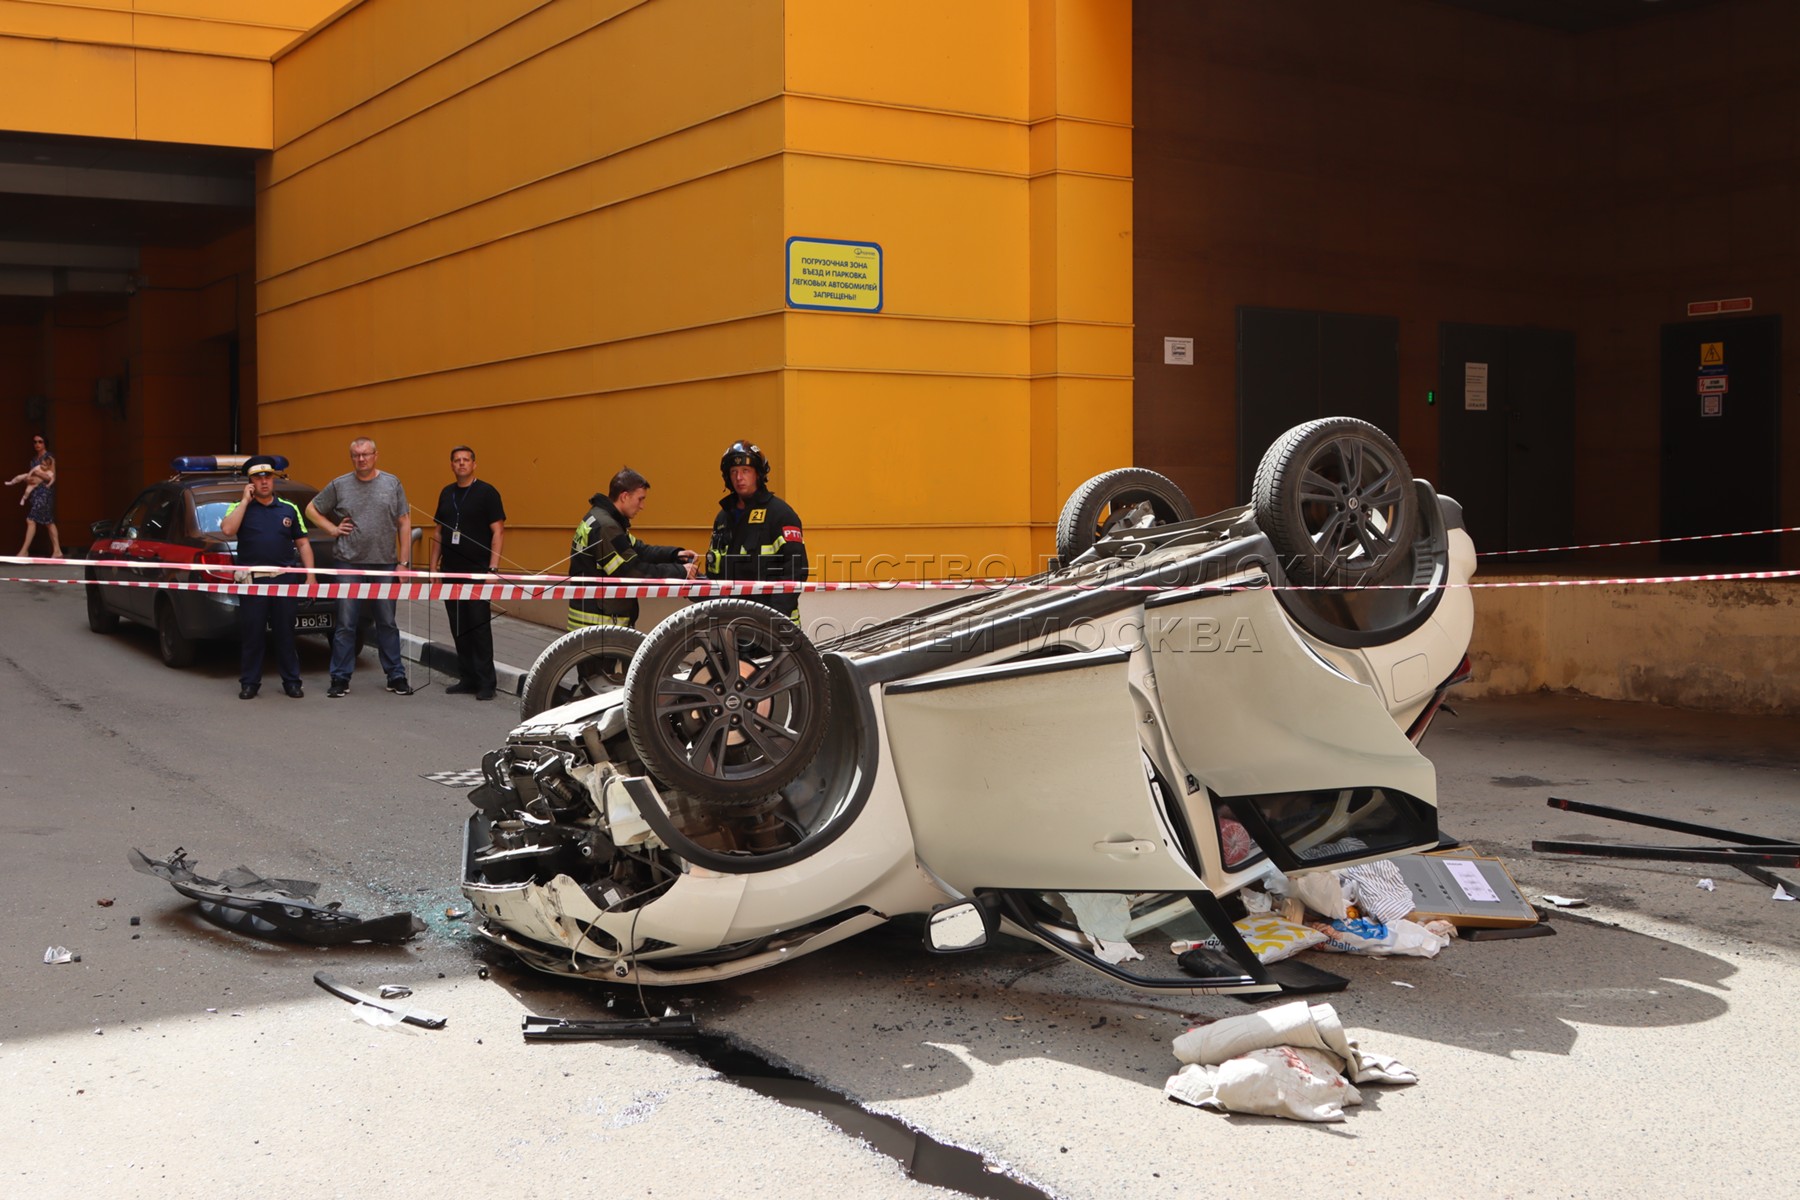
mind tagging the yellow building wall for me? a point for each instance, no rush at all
(161, 70)
(555, 230)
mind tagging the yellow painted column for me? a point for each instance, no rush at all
(985, 149)
(1081, 250)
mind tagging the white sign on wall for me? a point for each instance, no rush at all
(1475, 383)
(1178, 351)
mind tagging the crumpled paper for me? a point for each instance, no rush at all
(1279, 1062)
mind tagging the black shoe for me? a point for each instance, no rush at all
(460, 688)
(338, 688)
(293, 688)
(485, 694)
(248, 691)
(399, 686)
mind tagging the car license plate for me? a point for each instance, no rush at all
(313, 621)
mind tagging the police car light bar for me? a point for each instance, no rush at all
(220, 462)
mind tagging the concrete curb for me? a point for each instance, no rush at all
(509, 680)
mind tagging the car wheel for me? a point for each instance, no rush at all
(727, 701)
(585, 662)
(177, 649)
(99, 619)
(1336, 499)
(1129, 498)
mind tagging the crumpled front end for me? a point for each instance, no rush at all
(579, 863)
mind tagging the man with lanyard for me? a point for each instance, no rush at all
(756, 534)
(471, 525)
(604, 546)
(270, 532)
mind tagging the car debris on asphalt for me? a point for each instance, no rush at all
(60, 954)
(1750, 854)
(245, 902)
(398, 1013)
(559, 1029)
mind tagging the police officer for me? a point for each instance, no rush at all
(756, 535)
(604, 546)
(270, 532)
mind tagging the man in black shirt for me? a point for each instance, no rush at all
(471, 526)
(270, 532)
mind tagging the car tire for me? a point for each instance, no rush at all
(1129, 498)
(728, 701)
(1336, 499)
(585, 662)
(100, 619)
(176, 648)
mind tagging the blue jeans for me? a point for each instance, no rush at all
(350, 613)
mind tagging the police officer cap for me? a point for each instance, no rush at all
(744, 453)
(260, 464)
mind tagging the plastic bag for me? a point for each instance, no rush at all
(1320, 891)
(1363, 936)
(1272, 939)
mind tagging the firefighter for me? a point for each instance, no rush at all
(757, 535)
(604, 546)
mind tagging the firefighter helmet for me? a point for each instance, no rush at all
(744, 453)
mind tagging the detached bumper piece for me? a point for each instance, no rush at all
(558, 1029)
(244, 902)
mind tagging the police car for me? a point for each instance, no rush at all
(177, 522)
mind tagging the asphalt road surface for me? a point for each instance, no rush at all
(1643, 1049)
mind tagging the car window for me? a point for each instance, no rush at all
(212, 503)
(132, 522)
(162, 516)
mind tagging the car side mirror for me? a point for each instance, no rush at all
(954, 928)
(101, 529)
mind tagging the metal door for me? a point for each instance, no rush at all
(1721, 427)
(1298, 366)
(1506, 432)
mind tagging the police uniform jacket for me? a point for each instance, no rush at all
(762, 540)
(268, 533)
(604, 546)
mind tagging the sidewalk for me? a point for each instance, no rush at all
(425, 639)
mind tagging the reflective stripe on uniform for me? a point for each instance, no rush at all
(612, 564)
(582, 620)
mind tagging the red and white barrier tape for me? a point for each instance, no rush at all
(1694, 537)
(436, 587)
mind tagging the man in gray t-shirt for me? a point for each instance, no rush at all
(366, 511)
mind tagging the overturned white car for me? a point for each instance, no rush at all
(1097, 758)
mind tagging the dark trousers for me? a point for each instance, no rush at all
(270, 618)
(472, 625)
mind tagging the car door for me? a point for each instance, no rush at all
(1030, 775)
(117, 556)
(155, 544)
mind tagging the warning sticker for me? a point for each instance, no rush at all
(1712, 354)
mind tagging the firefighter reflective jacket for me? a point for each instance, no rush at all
(604, 547)
(762, 540)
